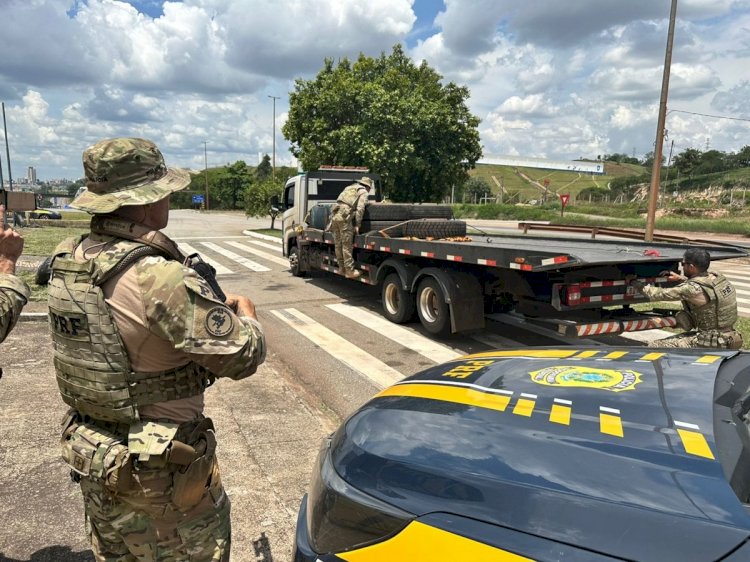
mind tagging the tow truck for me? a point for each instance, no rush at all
(452, 280)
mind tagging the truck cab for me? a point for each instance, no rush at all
(320, 187)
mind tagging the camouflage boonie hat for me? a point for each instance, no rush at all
(366, 181)
(126, 171)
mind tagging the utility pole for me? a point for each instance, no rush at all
(205, 168)
(7, 151)
(658, 146)
(274, 98)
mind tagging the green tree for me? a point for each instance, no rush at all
(741, 158)
(264, 169)
(687, 161)
(475, 188)
(390, 115)
(258, 198)
(232, 184)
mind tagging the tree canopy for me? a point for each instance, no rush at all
(390, 115)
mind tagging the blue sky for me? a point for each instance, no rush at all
(547, 78)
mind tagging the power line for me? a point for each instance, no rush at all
(708, 115)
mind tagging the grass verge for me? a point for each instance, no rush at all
(43, 241)
(268, 231)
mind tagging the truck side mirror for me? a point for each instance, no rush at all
(275, 201)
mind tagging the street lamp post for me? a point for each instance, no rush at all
(658, 146)
(205, 169)
(273, 164)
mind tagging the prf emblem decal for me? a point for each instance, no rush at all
(587, 377)
(218, 321)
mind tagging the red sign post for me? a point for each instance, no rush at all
(564, 200)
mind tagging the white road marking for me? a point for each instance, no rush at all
(263, 236)
(339, 348)
(220, 269)
(403, 336)
(274, 247)
(236, 257)
(259, 253)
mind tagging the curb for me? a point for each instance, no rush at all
(262, 236)
(33, 317)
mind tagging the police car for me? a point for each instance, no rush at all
(541, 454)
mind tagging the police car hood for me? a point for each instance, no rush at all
(611, 451)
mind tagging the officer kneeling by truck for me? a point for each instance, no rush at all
(709, 304)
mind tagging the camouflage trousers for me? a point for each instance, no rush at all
(158, 511)
(710, 339)
(343, 236)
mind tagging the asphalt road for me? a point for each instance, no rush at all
(329, 351)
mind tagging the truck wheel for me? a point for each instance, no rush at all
(393, 229)
(398, 304)
(387, 212)
(432, 309)
(431, 212)
(435, 228)
(294, 262)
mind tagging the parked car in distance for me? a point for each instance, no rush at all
(44, 214)
(587, 455)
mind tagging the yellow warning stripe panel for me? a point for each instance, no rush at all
(615, 355)
(651, 356)
(708, 359)
(457, 394)
(560, 414)
(524, 407)
(609, 424)
(585, 354)
(421, 543)
(695, 443)
(535, 353)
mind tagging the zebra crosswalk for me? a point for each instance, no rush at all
(356, 336)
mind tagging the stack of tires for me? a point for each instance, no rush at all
(404, 219)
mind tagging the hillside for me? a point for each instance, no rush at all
(530, 182)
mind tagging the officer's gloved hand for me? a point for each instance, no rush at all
(242, 306)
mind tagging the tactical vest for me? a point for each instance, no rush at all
(94, 374)
(720, 312)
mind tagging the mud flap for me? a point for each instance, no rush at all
(462, 293)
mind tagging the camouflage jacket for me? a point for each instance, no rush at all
(709, 299)
(352, 202)
(14, 293)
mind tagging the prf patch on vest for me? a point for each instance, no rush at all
(71, 325)
(219, 321)
(726, 290)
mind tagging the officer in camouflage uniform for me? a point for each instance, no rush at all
(346, 216)
(709, 305)
(14, 293)
(138, 337)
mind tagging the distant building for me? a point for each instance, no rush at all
(31, 174)
(564, 165)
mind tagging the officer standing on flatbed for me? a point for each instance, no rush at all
(709, 304)
(138, 338)
(14, 292)
(346, 217)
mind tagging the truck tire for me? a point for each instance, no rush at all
(434, 228)
(387, 212)
(374, 226)
(398, 303)
(44, 272)
(294, 262)
(431, 212)
(432, 309)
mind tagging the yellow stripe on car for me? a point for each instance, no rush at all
(693, 441)
(532, 353)
(421, 543)
(457, 394)
(610, 421)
